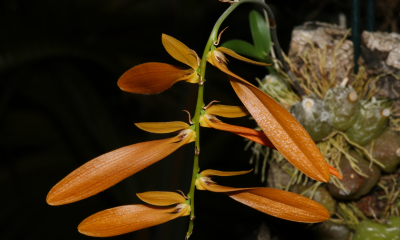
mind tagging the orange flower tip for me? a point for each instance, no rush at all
(50, 200)
(335, 172)
(53, 199)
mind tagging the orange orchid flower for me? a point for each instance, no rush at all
(153, 77)
(125, 219)
(209, 119)
(275, 202)
(108, 169)
(281, 128)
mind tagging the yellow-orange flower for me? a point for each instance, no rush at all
(209, 119)
(108, 169)
(275, 202)
(125, 219)
(153, 77)
(281, 128)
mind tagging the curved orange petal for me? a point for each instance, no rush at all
(282, 204)
(251, 134)
(108, 169)
(161, 198)
(283, 130)
(227, 111)
(125, 219)
(212, 187)
(210, 172)
(179, 51)
(335, 172)
(162, 127)
(237, 56)
(152, 78)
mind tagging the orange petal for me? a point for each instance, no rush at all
(251, 134)
(162, 127)
(152, 78)
(282, 204)
(125, 219)
(237, 56)
(179, 51)
(283, 130)
(212, 187)
(108, 169)
(161, 198)
(335, 172)
(209, 172)
(227, 111)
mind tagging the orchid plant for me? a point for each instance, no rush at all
(280, 131)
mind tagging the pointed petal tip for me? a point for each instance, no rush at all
(50, 201)
(335, 172)
(54, 198)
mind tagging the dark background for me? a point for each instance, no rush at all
(60, 107)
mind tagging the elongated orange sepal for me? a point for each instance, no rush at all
(161, 198)
(152, 78)
(237, 56)
(180, 51)
(335, 172)
(282, 204)
(251, 134)
(125, 219)
(211, 173)
(227, 111)
(110, 168)
(283, 130)
(205, 182)
(212, 187)
(162, 127)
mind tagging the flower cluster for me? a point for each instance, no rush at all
(281, 131)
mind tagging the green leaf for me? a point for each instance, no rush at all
(243, 48)
(260, 33)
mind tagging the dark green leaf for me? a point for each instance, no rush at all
(243, 48)
(260, 33)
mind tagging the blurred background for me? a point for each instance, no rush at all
(60, 107)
